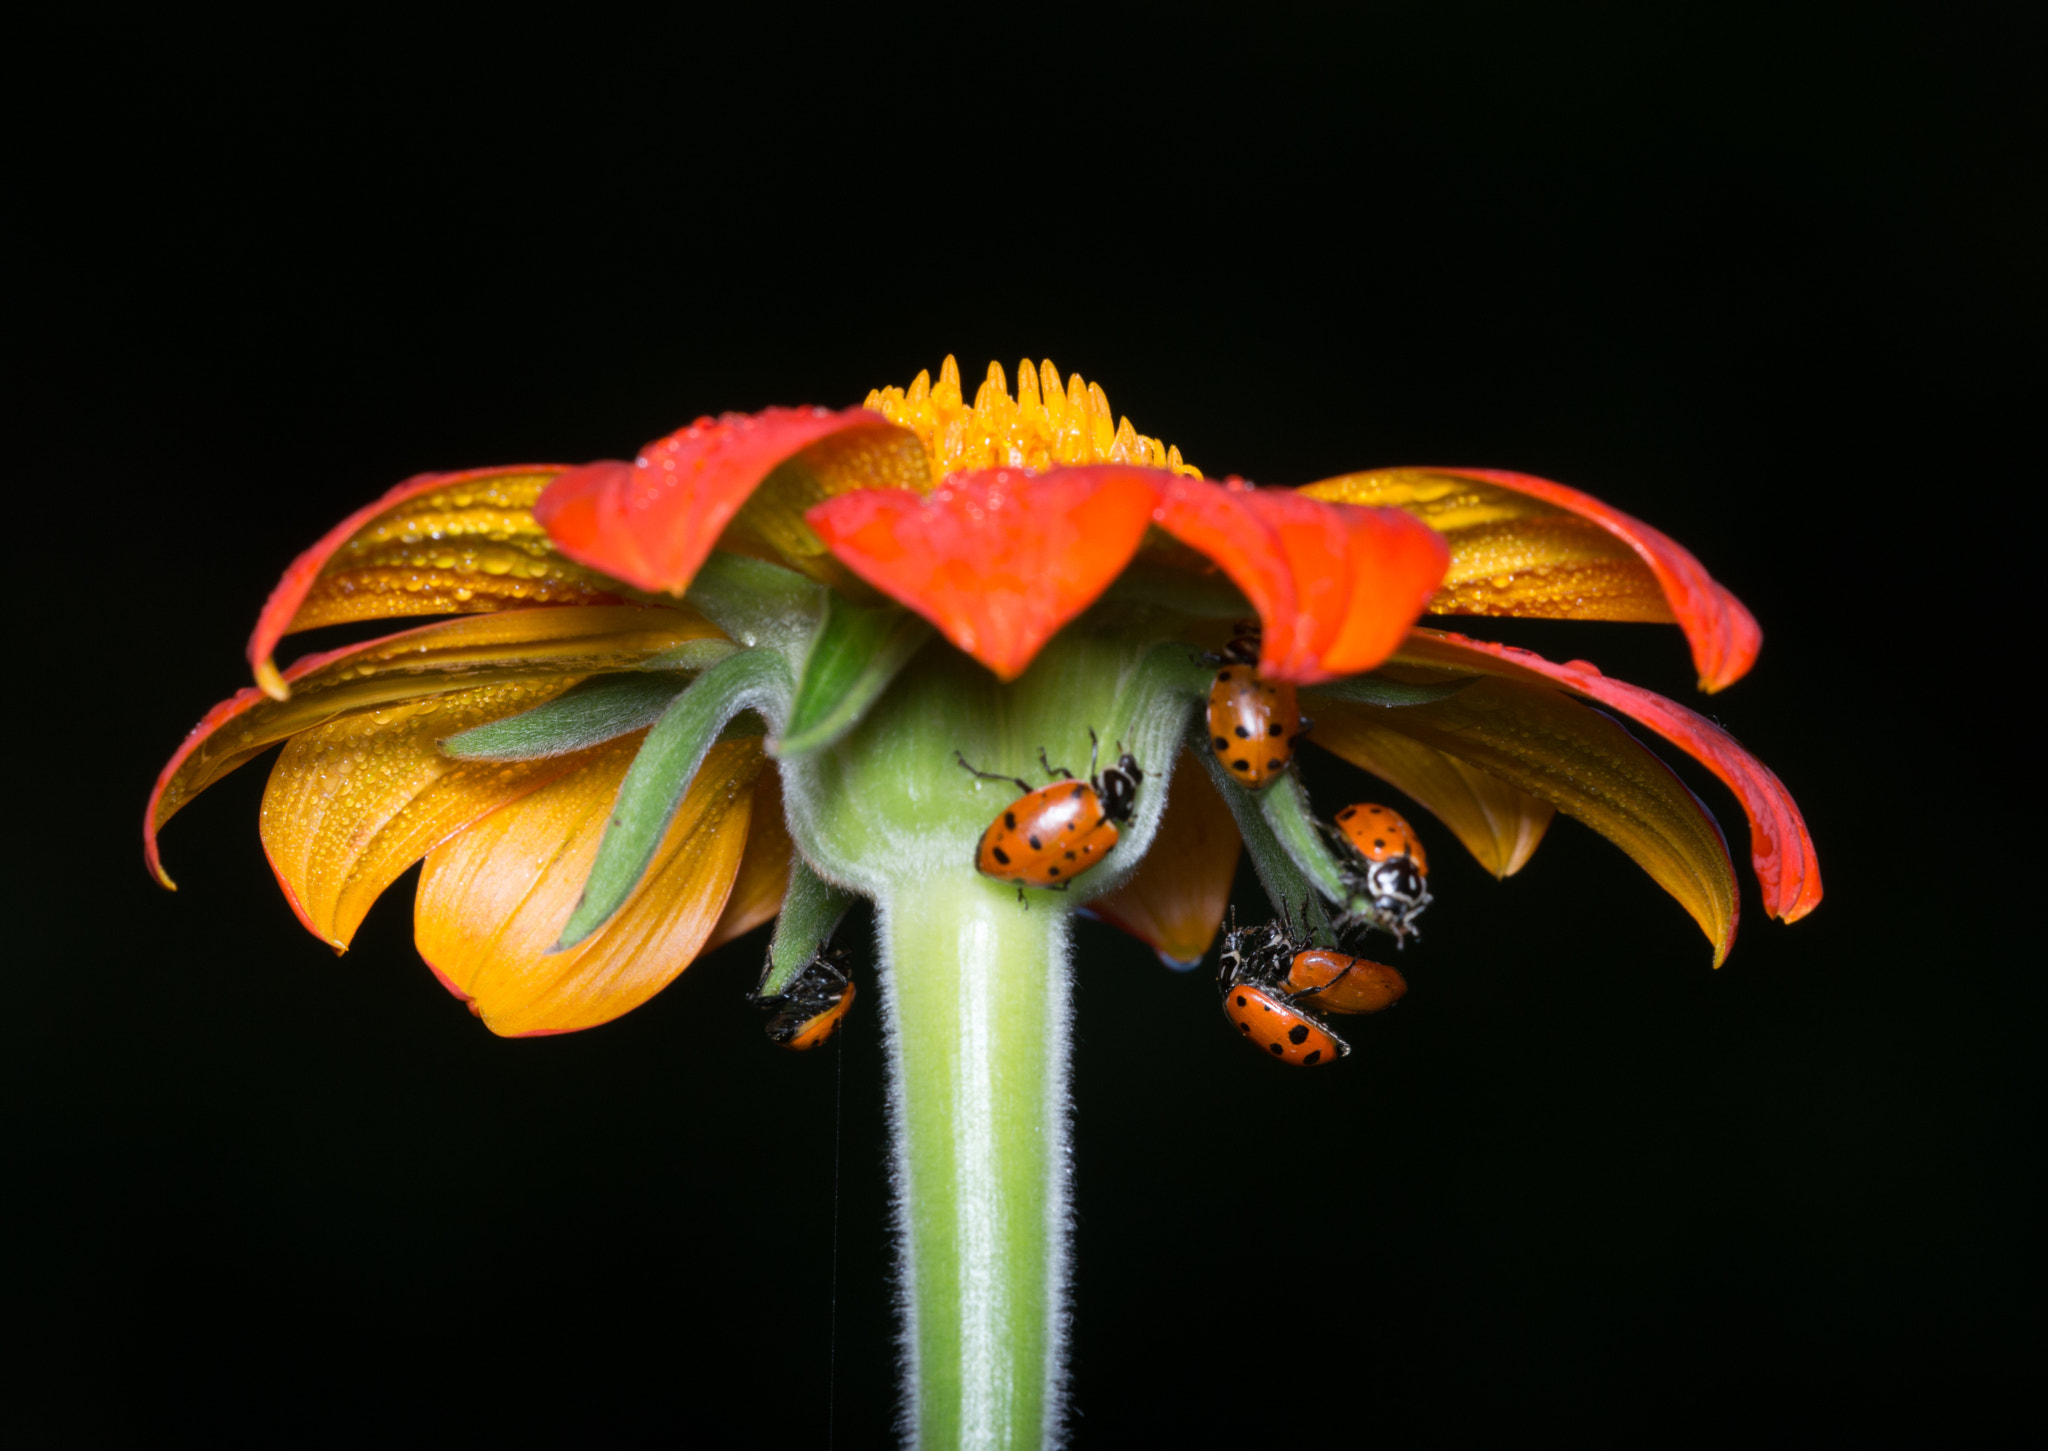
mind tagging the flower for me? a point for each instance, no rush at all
(685, 693)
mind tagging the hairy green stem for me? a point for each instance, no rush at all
(975, 996)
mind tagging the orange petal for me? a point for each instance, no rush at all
(1336, 587)
(1521, 545)
(1174, 902)
(1498, 824)
(493, 899)
(353, 803)
(438, 544)
(998, 560)
(553, 644)
(764, 872)
(1781, 849)
(652, 522)
(1544, 743)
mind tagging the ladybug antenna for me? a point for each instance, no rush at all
(1094, 750)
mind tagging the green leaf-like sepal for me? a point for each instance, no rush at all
(756, 680)
(598, 710)
(1385, 693)
(811, 912)
(855, 655)
(1294, 894)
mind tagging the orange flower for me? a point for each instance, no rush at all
(1001, 523)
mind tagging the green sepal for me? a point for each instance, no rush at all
(691, 655)
(811, 913)
(755, 602)
(1385, 693)
(667, 762)
(1293, 894)
(1284, 805)
(600, 709)
(856, 653)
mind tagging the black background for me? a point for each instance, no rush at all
(1764, 281)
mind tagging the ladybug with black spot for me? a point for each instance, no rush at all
(810, 1010)
(1388, 863)
(1253, 722)
(1051, 834)
(1341, 983)
(1269, 1017)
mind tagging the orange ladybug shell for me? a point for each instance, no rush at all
(1284, 1032)
(1379, 834)
(1340, 983)
(1252, 724)
(1046, 837)
(809, 1032)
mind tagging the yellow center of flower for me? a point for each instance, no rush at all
(1044, 426)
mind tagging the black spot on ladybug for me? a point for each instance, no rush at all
(1240, 765)
(1275, 1049)
(1379, 843)
(1077, 790)
(1070, 856)
(1222, 743)
(1245, 1028)
(1313, 1058)
(1010, 820)
(1001, 855)
(1223, 675)
(1347, 813)
(1240, 999)
(1036, 844)
(1276, 729)
(1243, 734)
(1052, 871)
(1298, 1034)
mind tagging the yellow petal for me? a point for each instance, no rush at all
(492, 901)
(563, 645)
(1512, 554)
(1582, 762)
(1174, 902)
(1498, 824)
(353, 803)
(764, 872)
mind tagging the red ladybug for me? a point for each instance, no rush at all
(809, 1012)
(1340, 983)
(1052, 833)
(1392, 868)
(1271, 1018)
(1253, 723)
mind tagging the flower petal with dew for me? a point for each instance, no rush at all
(1781, 848)
(558, 645)
(1520, 545)
(998, 560)
(1545, 744)
(654, 521)
(353, 803)
(438, 544)
(1336, 587)
(492, 901)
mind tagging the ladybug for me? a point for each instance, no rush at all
(808, 1012)
(1264, 1013)
(1392, 868)
(1340, 983)
(1253, 724)
(1052, 833)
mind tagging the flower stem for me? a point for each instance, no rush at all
(975, 997)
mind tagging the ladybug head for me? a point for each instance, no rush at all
(1396, 882)
(1118, 788)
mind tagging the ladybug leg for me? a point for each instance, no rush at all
(1022, 785)
(1059, 773)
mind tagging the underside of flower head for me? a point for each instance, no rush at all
(839, 543)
